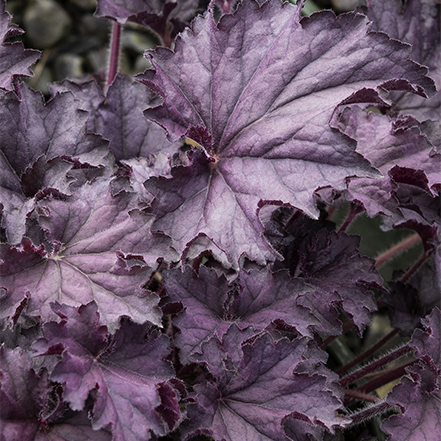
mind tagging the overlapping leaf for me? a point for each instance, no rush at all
(386, 144)
(127, 372)
(257, 91)
(417, 22)
(332, 265)
(34, 138)
(257, 298)
(14, 59)
(257, 388)
(102, 250)
(32, 409)
(419, 396)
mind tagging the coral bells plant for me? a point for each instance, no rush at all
(178, 254)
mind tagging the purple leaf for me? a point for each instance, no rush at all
(255, 394)
(427, 343)
(88, 93)
(103, 250)
(416, 22)
(166, 18)
(418, 396)
(120, 119)
(386, 144)
(34, 133)
(126, 372)
(421, 413)
(123, 10)
(14, 59)
(333, 267)
(256, 298)
(23, 392)
(276, 147)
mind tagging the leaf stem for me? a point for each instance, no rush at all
(375, 365)
(369, 412)
(384, 379)
(353, 212)
(361, 396)
(411, 271)
(397, 249)
(114, 53)
(367, 353)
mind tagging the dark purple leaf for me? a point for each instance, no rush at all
(427, 343)
(23, 391)
(126, 371)
(418, 396)
(417, 22)
(103, 250)
(257, 95)
(413, 300)
(256, 393)
(333, 267)
(14, 59)
(420, 405)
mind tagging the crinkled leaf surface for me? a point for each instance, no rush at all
(256, 299)
(34, 133)
(120, 119)
(14, 59)
(126, 371)
(23, 392)
(255, 393)
(417, 22)
(419, 396)
(428, 343)
(257, 91)
(386, 144)
(88, 93)
(102, 251)
(332, 265)
(421, 408)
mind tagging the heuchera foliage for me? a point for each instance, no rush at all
(170, 264)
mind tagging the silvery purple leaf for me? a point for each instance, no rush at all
(257, 93)
(120, 119)
(417, 22)
(121, 10)
(256, 393)
(386, 143)
(34, 137)
(102, 250)
(256, 298)
(14, 59)
(88, 93)
(127, 371)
